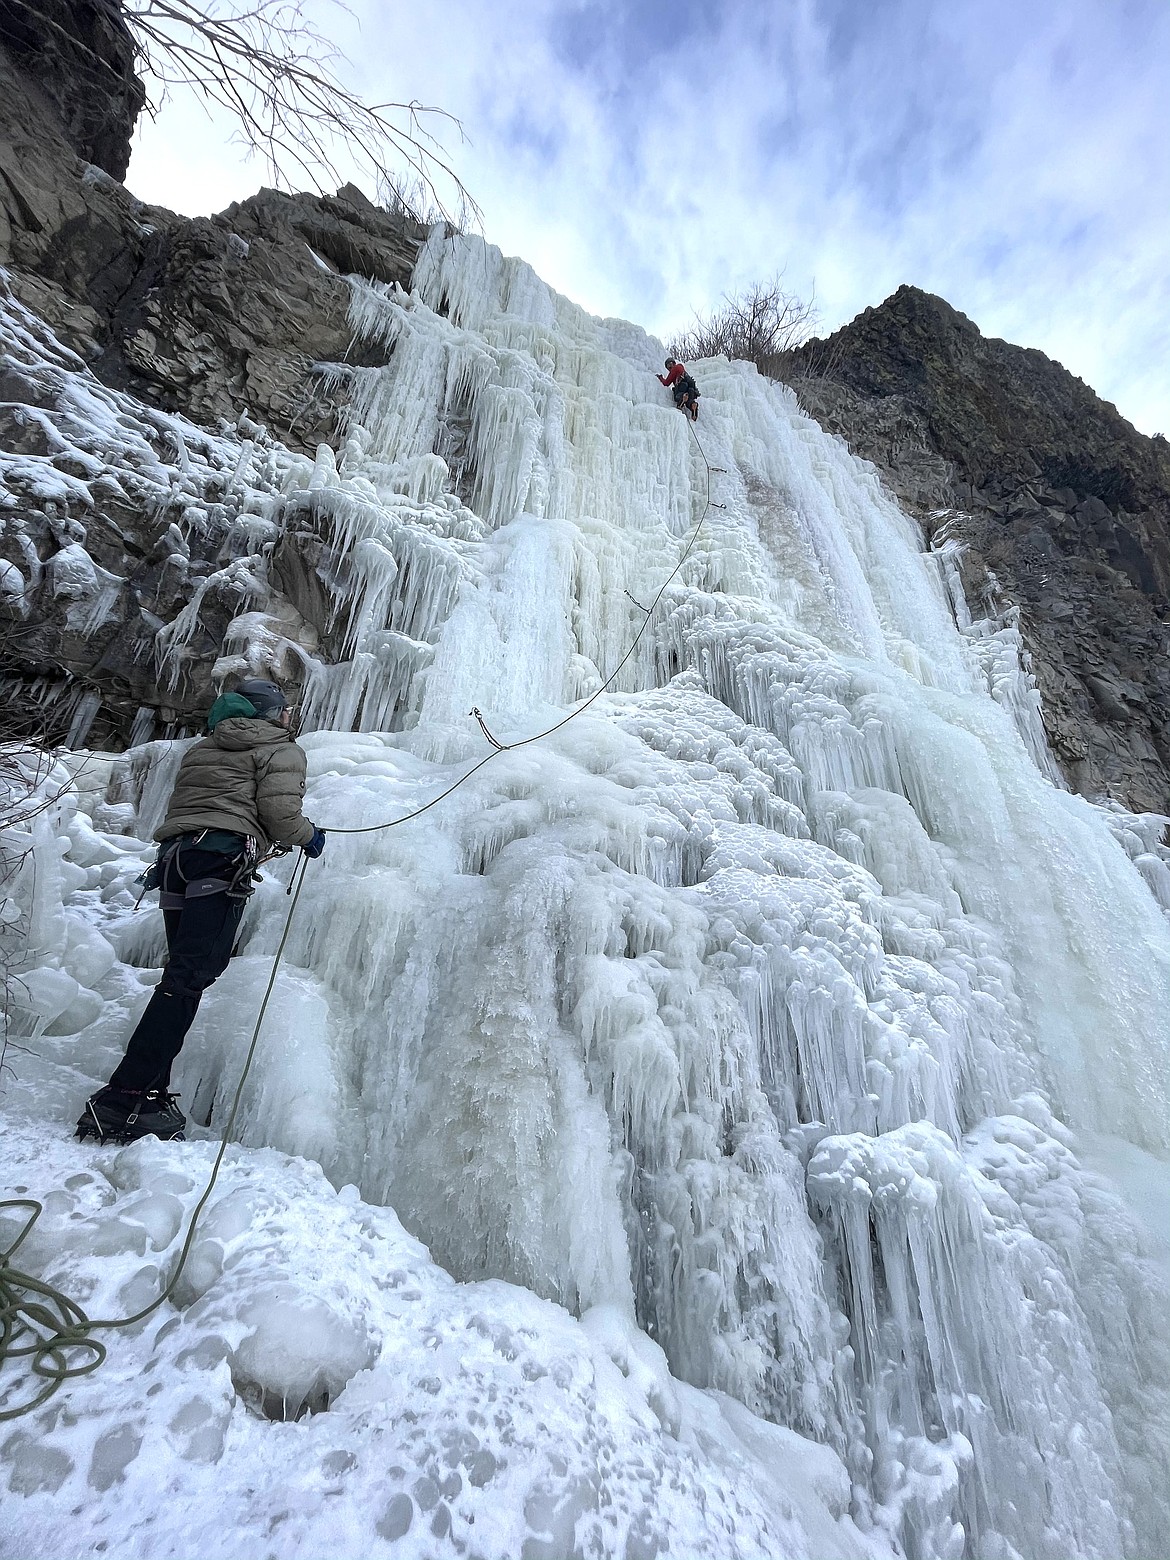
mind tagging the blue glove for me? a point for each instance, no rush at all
(316, 845)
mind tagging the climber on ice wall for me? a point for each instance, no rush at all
(237, 794)
(682, 387)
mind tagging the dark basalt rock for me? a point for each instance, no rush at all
(1062, 505)
(232, 312)
(78, 57)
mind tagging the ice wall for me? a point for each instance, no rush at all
(759, 1004)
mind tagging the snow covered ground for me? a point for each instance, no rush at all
(463, 1419)
(727, 1048)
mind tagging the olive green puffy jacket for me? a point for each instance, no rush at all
(247, 777)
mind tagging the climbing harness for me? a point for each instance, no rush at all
(686, 394)
(241, 884)
(42, 1325)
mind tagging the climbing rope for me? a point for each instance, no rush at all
(42, 1325)
(43, 1331)
(539, 736)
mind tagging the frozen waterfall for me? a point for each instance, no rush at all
(767, 1011)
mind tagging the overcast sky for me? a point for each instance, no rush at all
(1011, 155)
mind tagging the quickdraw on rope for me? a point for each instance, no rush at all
(39, 1323)
(477, 712)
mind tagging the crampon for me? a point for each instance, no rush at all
(123, 1115)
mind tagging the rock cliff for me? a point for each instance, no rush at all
(76, 59)
(219, 318)
(1061, 506)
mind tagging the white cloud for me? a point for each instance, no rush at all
(646, 159)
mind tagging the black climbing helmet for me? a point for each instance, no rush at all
(265, 697)
(669, 363)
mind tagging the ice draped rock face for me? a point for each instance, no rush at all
(757, 1015)
(1052, 507)
(1057, 508)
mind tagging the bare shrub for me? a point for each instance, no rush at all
(34, 708)
(408, 197)
(762, 324)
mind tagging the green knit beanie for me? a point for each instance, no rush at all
(227, 705)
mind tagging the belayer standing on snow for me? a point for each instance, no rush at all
(238, 791)
(682, 387)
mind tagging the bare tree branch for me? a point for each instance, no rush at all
(761, 324)
(271, 68)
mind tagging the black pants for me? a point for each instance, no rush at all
(200, 939)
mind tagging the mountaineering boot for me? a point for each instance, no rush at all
(123, 1115)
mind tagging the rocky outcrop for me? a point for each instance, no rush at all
(222, 319)
(76, 61)
(1062, 507)
(209, 316)
(233, 313)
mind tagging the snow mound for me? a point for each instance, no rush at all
(320, 1385)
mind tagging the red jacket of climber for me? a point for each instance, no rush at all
(682, 387)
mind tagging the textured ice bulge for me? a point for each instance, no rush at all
(755, 1016)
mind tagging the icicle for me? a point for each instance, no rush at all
(83, 718)
(143, 728)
